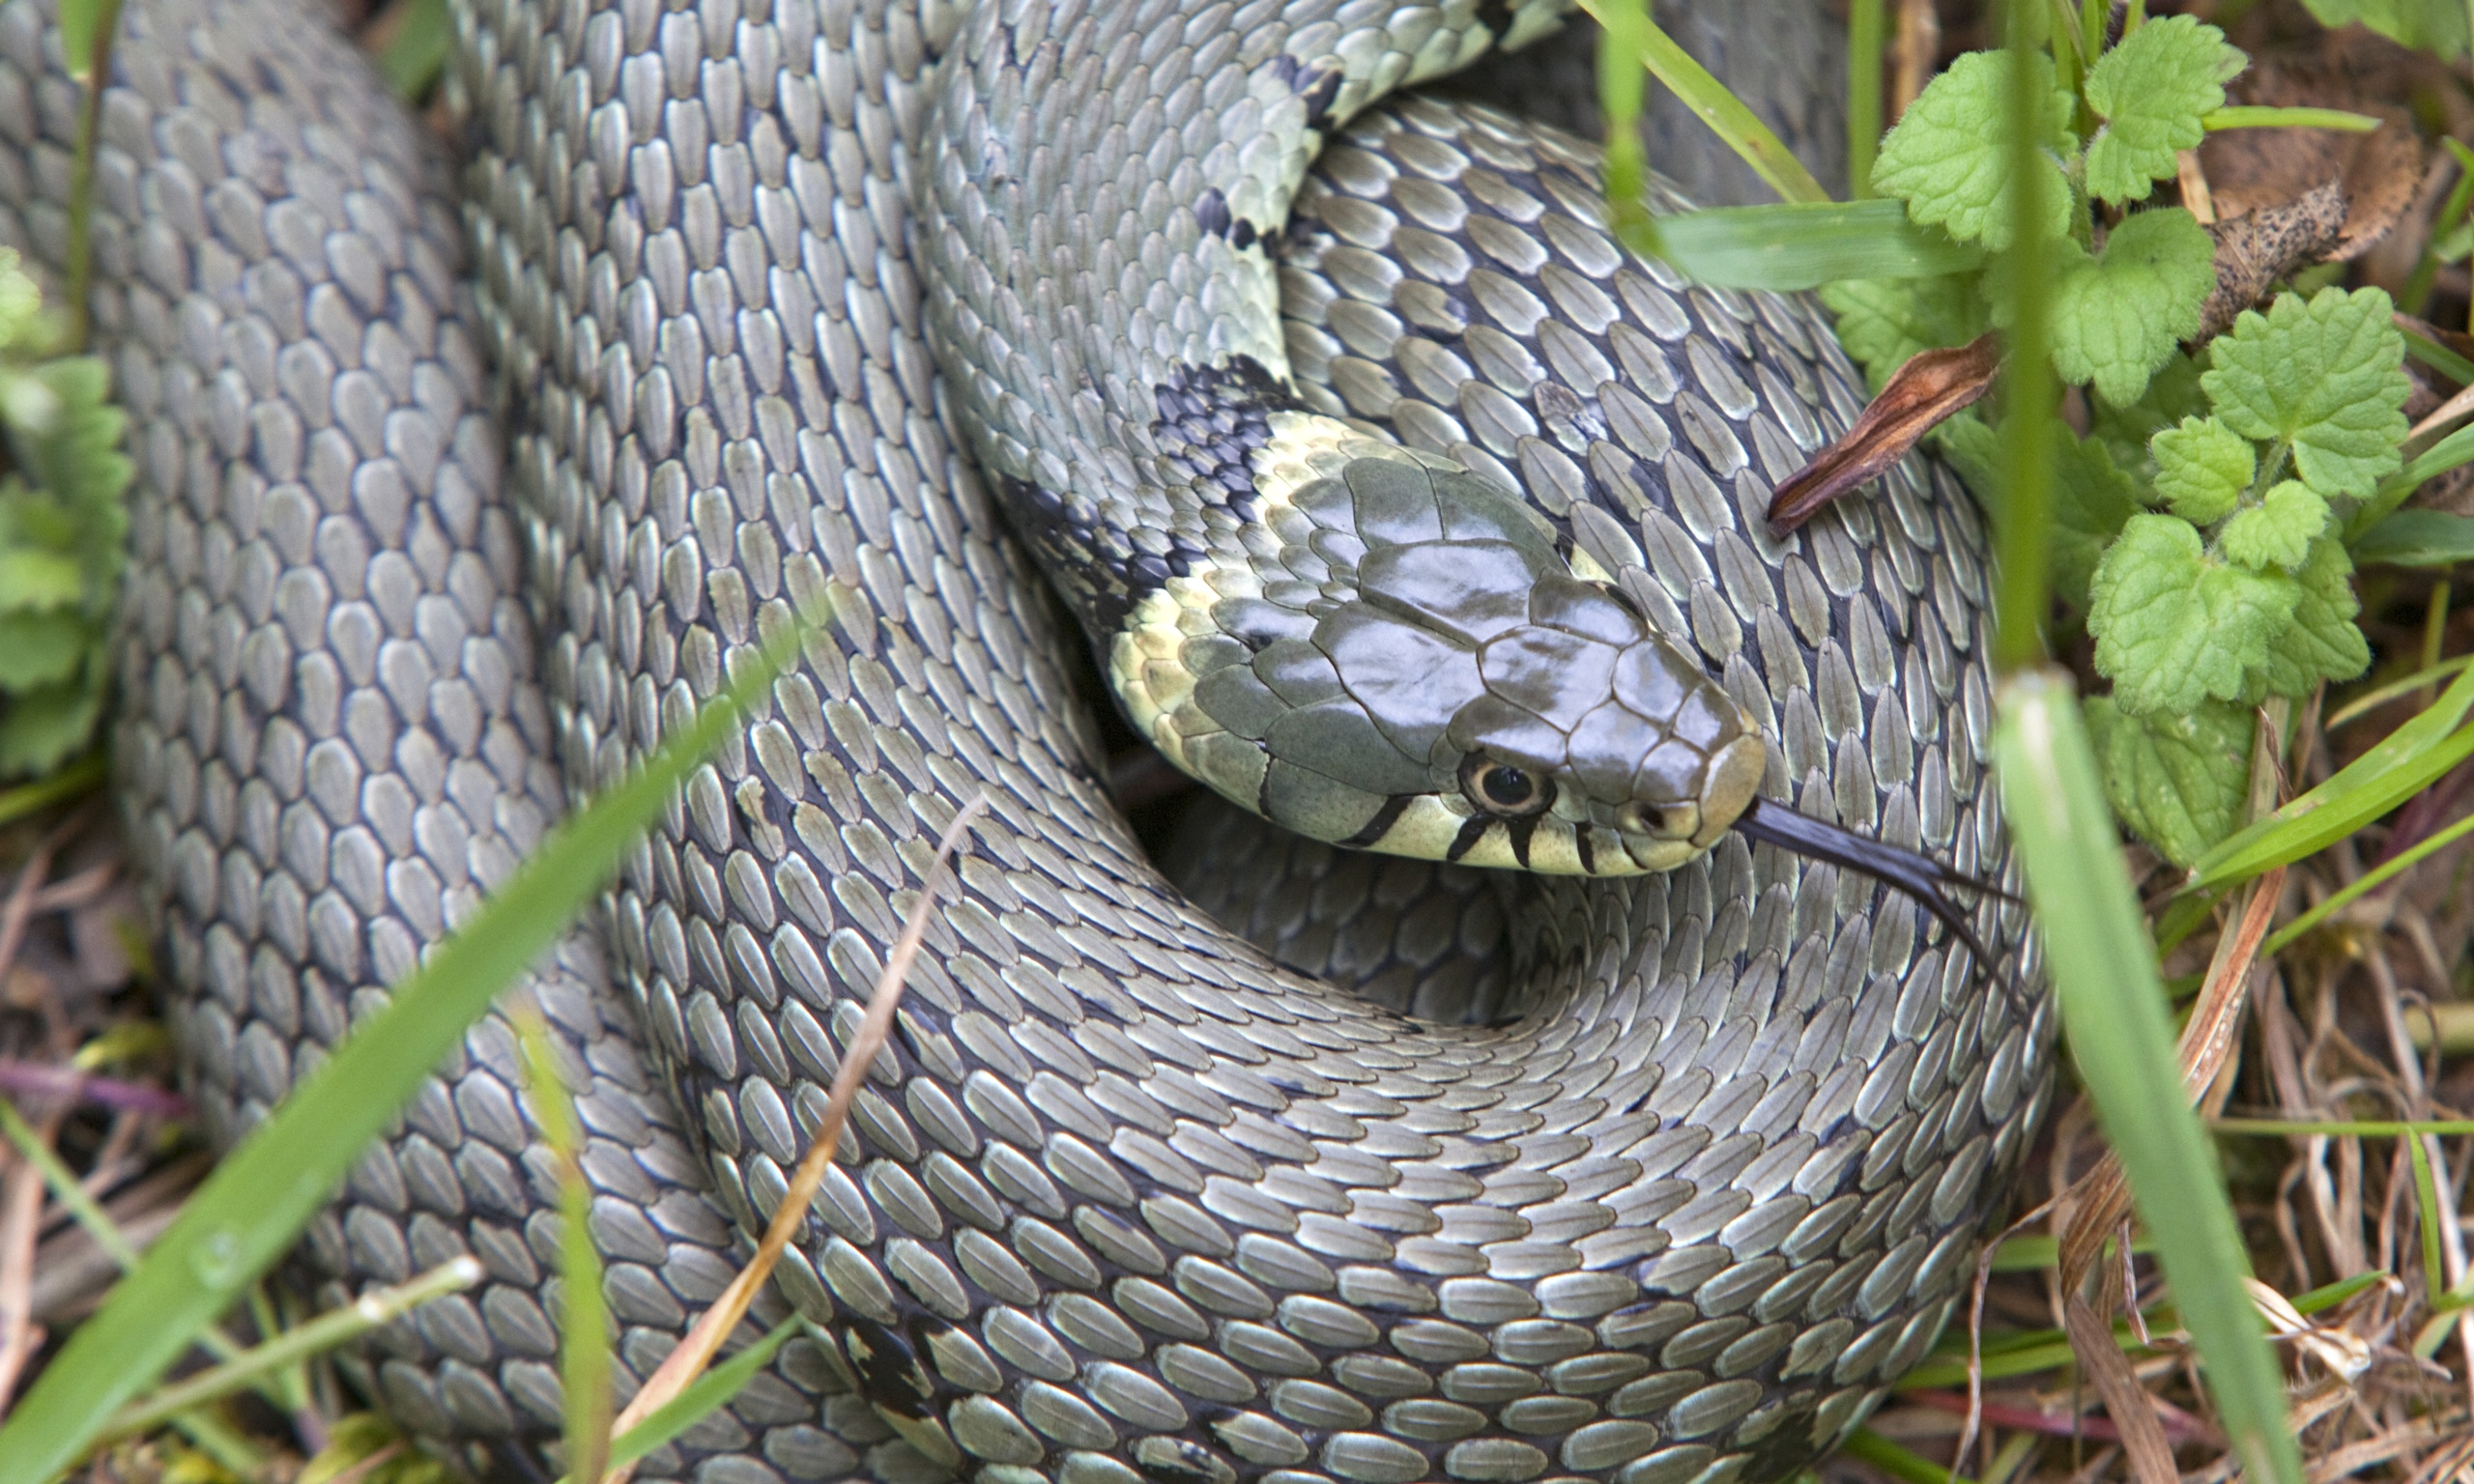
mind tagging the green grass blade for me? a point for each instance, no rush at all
(584, 1322)
(83, 776)
(2419, 538)
(1797, 247)
(250, 1210)
(2416, 295)
(2439, 357)
(2403, 861)
(701, 1396)
(292, 1346)
(2372, 699)
(222, 1443)
(2022, 519)
(1867, 29)
(2031, 1251)
(2427, 1216)
(87, 28)
(2121, 1041)
(2244, 116)
(1897, 1461)
(2450, 452)
(1621, 89)
(66, 1189)
(81, 21)
(1735, 126)
(2283, 837)
(2345, 1127)
(2336, 1293)
(2397, 767)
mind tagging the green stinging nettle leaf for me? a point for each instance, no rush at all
(2276, 532)
(2253, 577)
(2325, 375)
(1945, 158)
(1882, 322)
(2091, 497)
(2436, 26)
(2117, 317)
(2323, 642)
(2202, 466)
(61, 529)
(2151, 90)
(2177, 778)
(2176, 625)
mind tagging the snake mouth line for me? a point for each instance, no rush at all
(1918, 876)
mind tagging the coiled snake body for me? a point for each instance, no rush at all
(1127, 1199)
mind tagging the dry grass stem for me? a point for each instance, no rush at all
(704, 1340)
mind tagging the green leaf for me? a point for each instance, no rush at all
(2322, 643)
(2120, 318)
(41, 648)
(34, 581)
(2178, 779)
(2175, 626)
(1945, 158)
(2092, 496)
(2418, 538)
(2152, 90)
(1795, 245)
(20, 303)
(2093, 499)
(2325, 373)
(41, 729)
(2172, 394)
(2436, 26)
(2202, 466)
(1882, 321)
(2276, 532)
(77, 459)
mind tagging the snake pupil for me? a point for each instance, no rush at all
(1504, 789)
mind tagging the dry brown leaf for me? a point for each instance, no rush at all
(2344, 1354)
(2126, 1401)
(1932, 386)
(2379, 174)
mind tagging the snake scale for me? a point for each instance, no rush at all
(1674, 1174)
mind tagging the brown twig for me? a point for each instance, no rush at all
(1917, 46)
(34, 1079)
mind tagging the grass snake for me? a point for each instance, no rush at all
(1674, 1173)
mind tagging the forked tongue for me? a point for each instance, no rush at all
(1918, 876)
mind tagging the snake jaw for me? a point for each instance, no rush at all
(1729, 786)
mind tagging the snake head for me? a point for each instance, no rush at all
(1398, 658)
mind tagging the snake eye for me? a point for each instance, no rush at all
(1504, 789)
